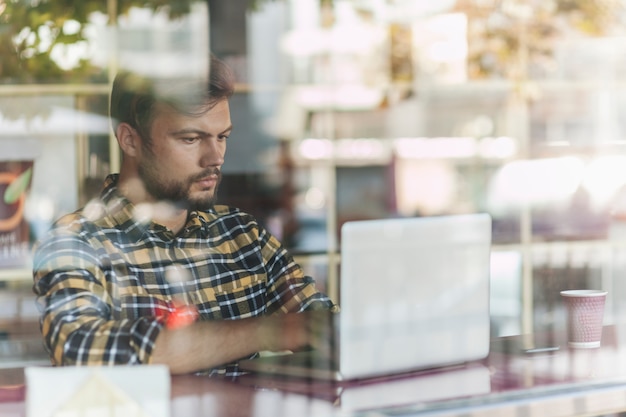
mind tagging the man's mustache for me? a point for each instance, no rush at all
(206, 173)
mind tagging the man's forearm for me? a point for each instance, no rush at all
(208, 344)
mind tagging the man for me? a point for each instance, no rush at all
(155, 272)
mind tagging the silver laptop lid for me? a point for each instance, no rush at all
(414, 293)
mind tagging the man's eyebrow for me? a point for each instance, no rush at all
(186, 131)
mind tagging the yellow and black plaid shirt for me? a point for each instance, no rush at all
(105, 278)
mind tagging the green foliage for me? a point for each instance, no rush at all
(30, 29)
(509, 39)
(256, 5)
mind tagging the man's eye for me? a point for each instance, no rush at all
(191, 139)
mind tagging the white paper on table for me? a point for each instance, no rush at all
(93, 391)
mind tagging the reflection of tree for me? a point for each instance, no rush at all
(499, 29)
(30, 30)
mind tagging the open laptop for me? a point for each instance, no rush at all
(414, 294)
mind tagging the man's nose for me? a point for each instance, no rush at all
(212, 153)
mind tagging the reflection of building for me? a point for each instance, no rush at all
(153, 44)
(375, 103)
(538, 154)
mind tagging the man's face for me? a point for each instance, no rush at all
(182, 163)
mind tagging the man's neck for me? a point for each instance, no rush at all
(174, 223)
(162, 212)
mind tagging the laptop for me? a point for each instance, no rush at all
(414, 295)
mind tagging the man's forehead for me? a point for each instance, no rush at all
(191, 110)
(207, 121)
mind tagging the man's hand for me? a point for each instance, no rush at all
(297, 331)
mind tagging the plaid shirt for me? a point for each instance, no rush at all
(106, 277)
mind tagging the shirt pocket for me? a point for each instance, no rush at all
(243, 297)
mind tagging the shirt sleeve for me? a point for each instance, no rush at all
(77, 321)
(289, 289)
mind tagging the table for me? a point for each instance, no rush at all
(509, 382)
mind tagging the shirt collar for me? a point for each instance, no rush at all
(122, 213)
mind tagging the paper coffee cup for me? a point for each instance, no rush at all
(585, 315)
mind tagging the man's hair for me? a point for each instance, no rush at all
(133, 97)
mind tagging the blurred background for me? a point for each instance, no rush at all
(345, 110)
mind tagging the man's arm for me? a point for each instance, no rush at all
(289, 289)
(207, 344)
(78, 322)
(304, 319)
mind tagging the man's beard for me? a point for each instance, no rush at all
(177, 192)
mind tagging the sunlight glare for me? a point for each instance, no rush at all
(604, 177)
(536, 182)
(316, 148)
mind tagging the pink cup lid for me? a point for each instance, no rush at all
(583, 293)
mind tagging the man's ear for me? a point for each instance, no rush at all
(129, 140)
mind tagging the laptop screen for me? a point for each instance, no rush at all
(414, 293)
